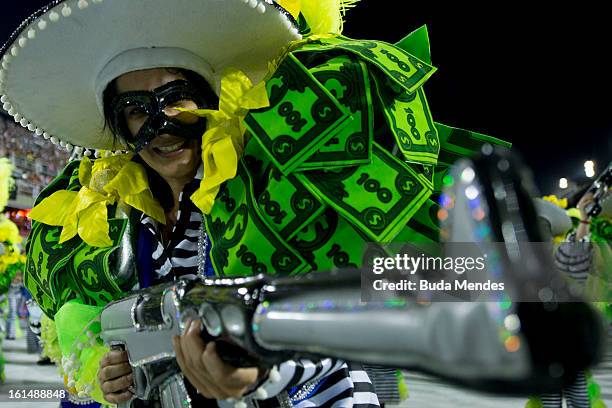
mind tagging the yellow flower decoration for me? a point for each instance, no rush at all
(9, 232)
(223, 141)
(556, 201)
(6, 169)
(104, 182)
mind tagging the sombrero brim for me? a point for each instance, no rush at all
(56, 65)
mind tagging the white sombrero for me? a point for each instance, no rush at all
(58, 63)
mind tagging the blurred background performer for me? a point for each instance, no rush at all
(588, 265)
(10, 259)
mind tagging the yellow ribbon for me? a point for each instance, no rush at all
(104, 182)
(223, 141)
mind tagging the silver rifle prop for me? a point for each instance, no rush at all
(264, 320)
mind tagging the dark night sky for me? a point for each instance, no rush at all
(539, 78)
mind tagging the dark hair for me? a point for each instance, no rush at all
(163, 194)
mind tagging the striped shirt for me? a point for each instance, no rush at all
(179, 256)
(303, 383)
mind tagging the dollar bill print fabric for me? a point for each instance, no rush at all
(346, 154)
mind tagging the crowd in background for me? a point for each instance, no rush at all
(25, 152)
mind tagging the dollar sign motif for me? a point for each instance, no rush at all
(283, 148)
(374, 218)
(304, 203)
(356, 147)
(284, 261)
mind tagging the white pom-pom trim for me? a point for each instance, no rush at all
(274, 375)
(54, 16)
(261, 393)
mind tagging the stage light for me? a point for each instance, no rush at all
(563, 183)
(589, 168)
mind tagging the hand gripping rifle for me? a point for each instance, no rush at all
(264, 320)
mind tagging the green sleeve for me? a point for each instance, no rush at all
(58, 273)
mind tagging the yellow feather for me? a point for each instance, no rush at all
(292, 6)
(322, 16)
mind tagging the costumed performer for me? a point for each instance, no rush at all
(234, 138)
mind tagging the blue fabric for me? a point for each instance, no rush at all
(208, 267)
(26, 293)
(144, 251)
(294, 390)
(65, 403)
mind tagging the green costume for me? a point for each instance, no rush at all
(322, 175)
(319, 178)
